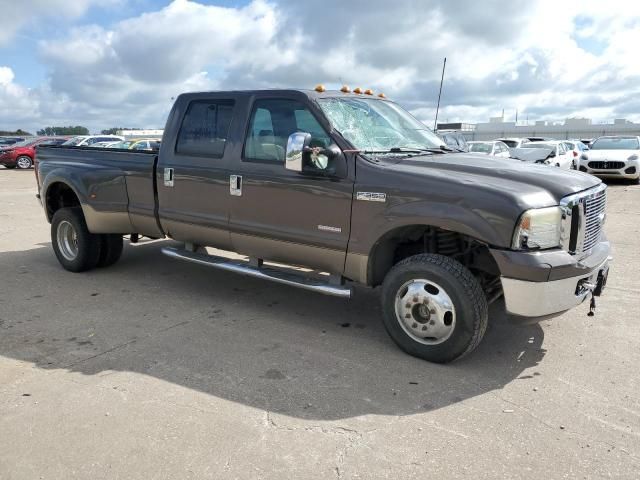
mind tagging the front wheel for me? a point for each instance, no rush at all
(434, 308)
(76, 248)
(24, 162)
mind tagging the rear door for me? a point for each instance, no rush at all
(283, 215)
(192, 173)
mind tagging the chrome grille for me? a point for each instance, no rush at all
(582, 219)
(607, 165)
(593, 209)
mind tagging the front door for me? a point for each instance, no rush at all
(282, 215)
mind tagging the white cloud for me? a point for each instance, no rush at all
(17, 14)
(500, 54)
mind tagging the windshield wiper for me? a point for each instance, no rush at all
(408, 150)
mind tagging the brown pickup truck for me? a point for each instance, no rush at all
(349, 184)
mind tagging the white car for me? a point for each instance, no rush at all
(613, 157)
(492, 147)
(576, 149)
(560, 157)
(513, 142)
(88, 140)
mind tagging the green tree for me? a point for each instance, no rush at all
(19, 132)
(52, 131)
(115, 130)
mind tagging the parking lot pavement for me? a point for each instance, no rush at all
(158, 369)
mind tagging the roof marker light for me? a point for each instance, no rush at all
(357, 90)
(382, 95)
(368, 91)
(345, 89)
(320, 88)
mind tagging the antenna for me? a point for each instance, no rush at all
(435, 122)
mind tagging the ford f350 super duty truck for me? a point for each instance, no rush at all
(348, 184)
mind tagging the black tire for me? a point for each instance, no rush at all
(110, 251)
(26, 161)
(88, 244)
(10, 167)
(465, 293)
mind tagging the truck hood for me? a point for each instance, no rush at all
(617, 155)
(528, 184)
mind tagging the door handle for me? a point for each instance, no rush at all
(235, 185)
(168, 177)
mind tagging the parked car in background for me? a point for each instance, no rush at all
(559, 156)
(454, 139)
(513, 142)
(575, 148)
(23, 154)
(492, 147)
(587, 141)
(5, 141)
(88, 140)
(104, 144)
(138, 144)
(145, 144)
(540, 139)
(613, 157)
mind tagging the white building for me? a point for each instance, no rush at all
(570, 128)
(133, 134)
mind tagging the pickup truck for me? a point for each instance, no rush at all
(355, 189)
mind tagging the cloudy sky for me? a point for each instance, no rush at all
(105, 63)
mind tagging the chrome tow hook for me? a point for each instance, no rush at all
(592, 305)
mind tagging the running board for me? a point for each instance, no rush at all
(265, 273)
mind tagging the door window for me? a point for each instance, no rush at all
(205, 128)
(272, 121)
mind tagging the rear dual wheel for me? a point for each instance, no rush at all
(76, 248)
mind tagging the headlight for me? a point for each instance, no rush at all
(538, 229)
(633, 157)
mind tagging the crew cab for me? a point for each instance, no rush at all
(348, 184)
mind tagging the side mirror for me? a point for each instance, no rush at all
(297, 143)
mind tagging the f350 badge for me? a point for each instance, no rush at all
(371, 196)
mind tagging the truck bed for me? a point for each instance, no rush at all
(116, 187)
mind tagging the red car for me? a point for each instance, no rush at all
(22, 154)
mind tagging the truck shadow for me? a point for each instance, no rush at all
(267, 346)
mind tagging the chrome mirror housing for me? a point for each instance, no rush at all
(296, 145)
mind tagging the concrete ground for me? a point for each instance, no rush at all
(155, 369)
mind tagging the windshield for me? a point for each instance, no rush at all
(121, 144)
(377, 125)
(537, 145)
(629, 143)
(25, 143)
(481, 147)
(72, 142)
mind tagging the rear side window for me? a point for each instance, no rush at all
(205, 128)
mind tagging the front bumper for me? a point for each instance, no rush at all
(630, 170)
(553, 282)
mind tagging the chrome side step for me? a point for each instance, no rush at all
(265, 273)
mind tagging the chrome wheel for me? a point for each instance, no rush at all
(23, 162)
(67, 240)
(425, 311)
